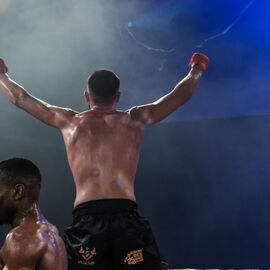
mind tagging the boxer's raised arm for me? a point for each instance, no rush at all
(51, 115)
(182, 92)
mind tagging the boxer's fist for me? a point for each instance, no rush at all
(199, 61)
(3, 67)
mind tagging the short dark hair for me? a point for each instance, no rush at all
(103, 86)
(21, 171)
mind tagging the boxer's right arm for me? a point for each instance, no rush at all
(154, 112)
(51, 115)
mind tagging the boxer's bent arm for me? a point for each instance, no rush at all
(51, 115)
(152, 113)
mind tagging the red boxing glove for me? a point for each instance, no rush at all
(199, 61)
(3, 67)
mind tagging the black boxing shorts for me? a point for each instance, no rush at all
(110, 234)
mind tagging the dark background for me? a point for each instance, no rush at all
(202, 179)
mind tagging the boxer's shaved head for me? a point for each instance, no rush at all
(20, 181)
(103, 86)
(17, 171)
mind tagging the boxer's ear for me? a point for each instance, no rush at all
(3, 67)
(118, 95)
(18, 192)
(87, 97)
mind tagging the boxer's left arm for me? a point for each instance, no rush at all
(51, 115)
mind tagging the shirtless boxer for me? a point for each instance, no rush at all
(33, 243)
(102, 146)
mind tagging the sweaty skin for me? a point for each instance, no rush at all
(33, 244)
(103, 151)
(102, 144)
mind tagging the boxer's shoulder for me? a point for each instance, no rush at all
(25, 234)
(24, 243)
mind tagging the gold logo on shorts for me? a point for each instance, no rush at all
(87, 255)
(134, 257)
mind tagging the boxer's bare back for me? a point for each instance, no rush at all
(103, 149)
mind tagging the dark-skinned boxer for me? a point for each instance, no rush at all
(33, 243)
(102, 146)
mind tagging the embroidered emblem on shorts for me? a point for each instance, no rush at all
(134, 257)
(87, 255)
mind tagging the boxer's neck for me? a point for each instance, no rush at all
(27, 213)
(103, 107)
